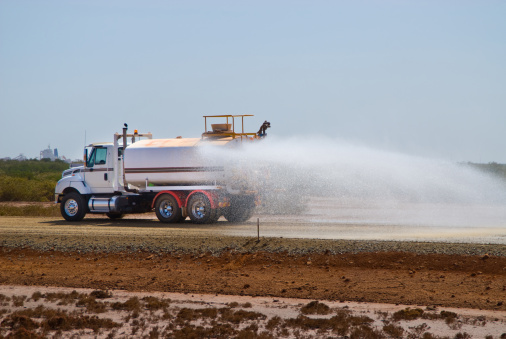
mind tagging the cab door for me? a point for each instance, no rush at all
(98, 171)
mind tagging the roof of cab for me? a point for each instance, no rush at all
(98, 144)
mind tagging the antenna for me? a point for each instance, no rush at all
(85, 160)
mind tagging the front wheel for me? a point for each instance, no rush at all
(73, 207)
(167, 209)
(200, 211)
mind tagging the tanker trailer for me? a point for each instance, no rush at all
(173, 177)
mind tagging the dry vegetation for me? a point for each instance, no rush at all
(30, 180)
(98, 314)
(30, 210)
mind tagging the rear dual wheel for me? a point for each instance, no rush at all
(241, 209)
(200, 211)
(167, 209)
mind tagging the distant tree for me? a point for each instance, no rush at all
(492, 168)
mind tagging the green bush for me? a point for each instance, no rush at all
(31, 169)
(30, 180)
(23, 189)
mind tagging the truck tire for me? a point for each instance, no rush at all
(200, 211)
(73, 207)
(167, 209)
(115, 215)
(240, 210)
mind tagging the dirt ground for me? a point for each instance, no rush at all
(143, 258)
(477, 282)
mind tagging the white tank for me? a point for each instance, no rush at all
(174, 162)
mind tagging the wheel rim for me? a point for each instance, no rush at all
(166, 209)
(71, 207)
(199, 209)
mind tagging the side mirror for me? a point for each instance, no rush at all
(85, 159)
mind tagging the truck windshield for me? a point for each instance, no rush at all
(98, 156)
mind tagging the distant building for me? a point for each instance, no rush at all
(52, 154)
(48, 153)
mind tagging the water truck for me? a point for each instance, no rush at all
(174, 177)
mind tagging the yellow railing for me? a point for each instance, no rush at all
(228, 133)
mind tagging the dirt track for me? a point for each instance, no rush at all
(132, 259)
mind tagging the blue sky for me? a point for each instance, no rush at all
(423, 78)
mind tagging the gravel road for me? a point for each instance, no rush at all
(104, 235)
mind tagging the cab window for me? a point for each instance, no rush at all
(97, 157)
